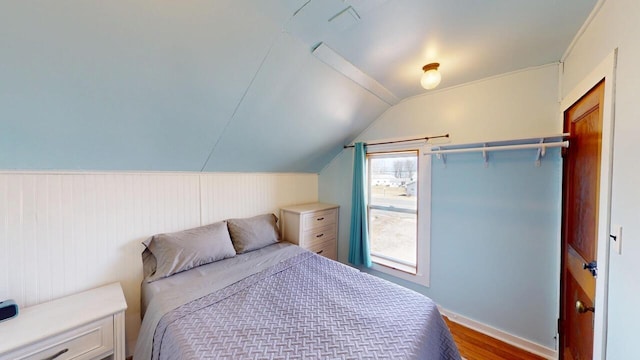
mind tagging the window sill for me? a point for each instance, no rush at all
(419, 277)
(394, 265)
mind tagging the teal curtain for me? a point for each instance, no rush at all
(359, 253)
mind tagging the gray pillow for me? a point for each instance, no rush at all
(184, 250)
(253, 233)
(149, 263)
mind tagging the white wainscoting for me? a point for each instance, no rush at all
(62, 233)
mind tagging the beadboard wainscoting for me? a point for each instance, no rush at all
(61, 233)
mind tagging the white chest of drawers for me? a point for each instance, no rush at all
(84, 326)
(313, 227)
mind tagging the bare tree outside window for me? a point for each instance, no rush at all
(410, 166)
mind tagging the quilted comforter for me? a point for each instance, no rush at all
(305, 307)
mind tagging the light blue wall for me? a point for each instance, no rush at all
(115, 85)
(161, 85)
(494, 238)
(494, 231)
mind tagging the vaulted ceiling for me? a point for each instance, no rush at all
(234, 85)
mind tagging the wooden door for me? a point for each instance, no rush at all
(581, 189)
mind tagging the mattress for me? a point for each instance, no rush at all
(282, 302)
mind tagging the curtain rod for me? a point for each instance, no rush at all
(427, 138)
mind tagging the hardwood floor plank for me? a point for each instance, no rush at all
(477, 346)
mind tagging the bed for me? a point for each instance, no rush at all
(279, 301)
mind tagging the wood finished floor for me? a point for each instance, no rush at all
(476, 346)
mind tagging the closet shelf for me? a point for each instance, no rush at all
(539, 143)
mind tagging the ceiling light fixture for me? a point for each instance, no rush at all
(431, 77)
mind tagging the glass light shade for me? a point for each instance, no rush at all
(430, 79)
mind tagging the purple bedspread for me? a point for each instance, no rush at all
(306, 307)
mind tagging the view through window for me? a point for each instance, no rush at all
(393, 209)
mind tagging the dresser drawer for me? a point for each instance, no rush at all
(330, 252)
(319, 219)
(313, 227)
(319, 235)
(326, 248)
(91, 341)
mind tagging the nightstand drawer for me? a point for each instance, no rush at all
(91, 341)
(85, 326)
(309, 238)
(319, 219)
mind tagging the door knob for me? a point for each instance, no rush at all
(583, 309)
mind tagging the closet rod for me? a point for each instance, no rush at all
(563, 144)
(427, 138)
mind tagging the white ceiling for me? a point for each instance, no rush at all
(232, 85)
(471, 39)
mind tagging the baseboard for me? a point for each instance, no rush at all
(516, 341)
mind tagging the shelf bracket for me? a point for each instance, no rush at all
(542, 150)
(442, 157)
(485, 156)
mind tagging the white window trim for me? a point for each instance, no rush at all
(423, 266)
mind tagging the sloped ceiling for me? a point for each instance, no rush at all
(232, 85)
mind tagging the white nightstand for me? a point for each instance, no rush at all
(313, 227)
(88, 325)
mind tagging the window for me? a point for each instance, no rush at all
(398, 198)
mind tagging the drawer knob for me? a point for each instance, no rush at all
(320, 219)
(56, 354)
(320, 252)
(320, 235)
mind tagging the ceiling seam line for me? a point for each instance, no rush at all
(283, 29)
(246, 91)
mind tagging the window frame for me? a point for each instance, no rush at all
(423, 231)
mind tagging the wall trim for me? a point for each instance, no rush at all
(501, 335)
(583, 28)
